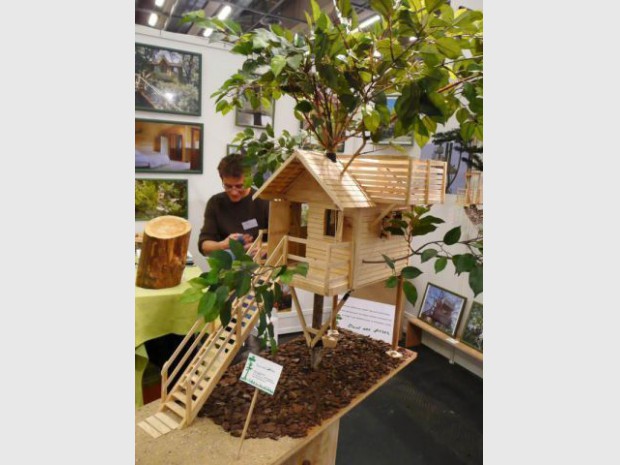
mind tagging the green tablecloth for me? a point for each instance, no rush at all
(159, 312)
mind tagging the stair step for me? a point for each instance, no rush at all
(167, 420)
(176, 408)
(158, 424)
(182, 397)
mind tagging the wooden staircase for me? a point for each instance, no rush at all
(213, 354)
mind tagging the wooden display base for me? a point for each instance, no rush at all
(204, 442)
(415, 326)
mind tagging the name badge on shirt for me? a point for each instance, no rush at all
(249, 224)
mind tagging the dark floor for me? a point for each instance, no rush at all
(429, 414)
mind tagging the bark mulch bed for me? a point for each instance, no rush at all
(303, 398)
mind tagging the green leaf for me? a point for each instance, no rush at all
(423, 228)
(294, 61)
(452, 236)
(190, 295)
(345, 7)
(316, 10)
(198, 283)
(277, 292)
(372, 120)
(277, 64)
(207, 308)
(301, 268)
(432, 5)
(286, 277)
(475, 280)
(428, 254)
(304, 106)
(242, 48)
(449, 47)
(220, 260)
(392, 281)
(411, 272)
(385, 7)
(389, 261)
(211, 277)
(410, 292)
(236, 248)
(243, 287)
(467, 130)
(463, 263)
(440, 264)
(268, 301)
(225, 313)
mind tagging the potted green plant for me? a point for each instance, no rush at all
(340, 75)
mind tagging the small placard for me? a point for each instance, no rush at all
(261, 373)
(368, 318)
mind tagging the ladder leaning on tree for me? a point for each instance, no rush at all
(213, 354)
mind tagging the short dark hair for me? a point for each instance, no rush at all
(231, 166)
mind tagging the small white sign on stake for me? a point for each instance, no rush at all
(261, 373)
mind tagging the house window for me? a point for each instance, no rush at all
(331, 222)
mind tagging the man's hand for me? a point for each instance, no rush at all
(245, 238)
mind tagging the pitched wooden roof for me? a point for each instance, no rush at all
(344, 190)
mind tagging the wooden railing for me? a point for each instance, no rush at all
(399, 179)
(328, 263)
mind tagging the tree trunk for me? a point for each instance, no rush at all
(317, 311)
(164, 251)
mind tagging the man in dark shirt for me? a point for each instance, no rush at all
(232, 214)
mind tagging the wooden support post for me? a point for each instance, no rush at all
(334, 314)
(300, 315)
(317, 311)
(247, 422)
(398, 314)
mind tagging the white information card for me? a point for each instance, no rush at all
(261, 373)
(367, 318)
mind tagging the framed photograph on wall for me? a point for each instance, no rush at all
(168, 80)
(232, 148)
(387, 133)
(159, 197)
(168, 147)
(472, 332)
(254, 117)
(442, 309)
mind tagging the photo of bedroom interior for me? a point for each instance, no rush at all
(164, 146)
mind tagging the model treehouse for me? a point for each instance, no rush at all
(344, 215)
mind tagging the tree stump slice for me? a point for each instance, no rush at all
(164, 251)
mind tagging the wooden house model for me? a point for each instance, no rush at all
(334, 220)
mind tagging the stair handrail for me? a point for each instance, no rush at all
(237, 302)
(188, 351)
(175, 354)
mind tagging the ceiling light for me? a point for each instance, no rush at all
(160, 3)
(153, 19)
(369, 21)
(224, 12)
(207, 32)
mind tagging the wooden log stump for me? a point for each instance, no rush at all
(164, 251)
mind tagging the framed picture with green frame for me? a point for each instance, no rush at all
(159, 197)
(168, 146)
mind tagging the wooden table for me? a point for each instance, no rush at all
(205, 443)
